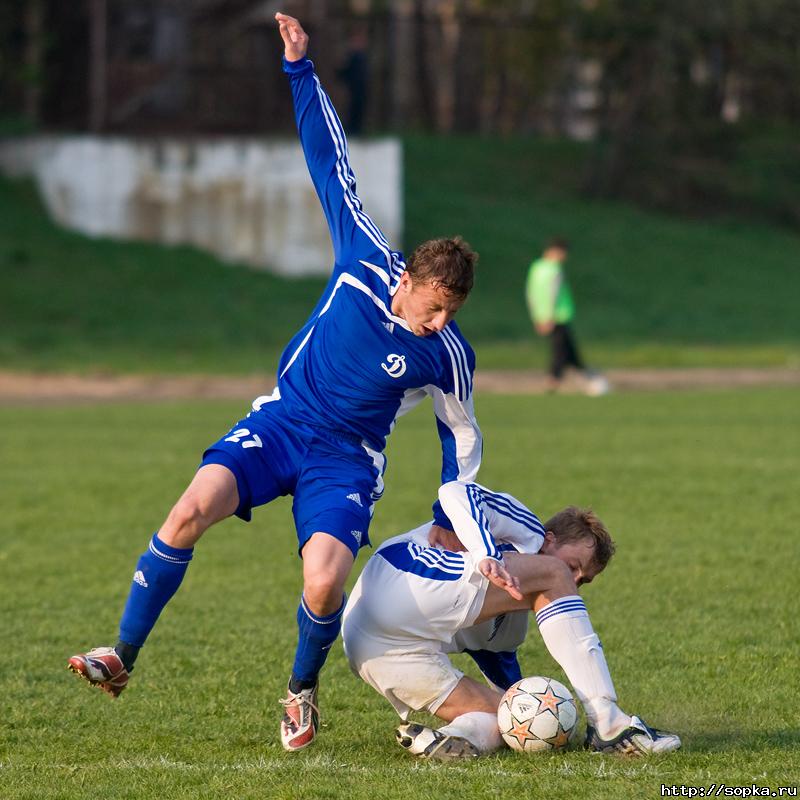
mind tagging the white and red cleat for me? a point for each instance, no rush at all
(300, 719)
(103, 668)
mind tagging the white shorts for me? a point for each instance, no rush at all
(401, 617)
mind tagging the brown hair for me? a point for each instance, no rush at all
(575, 524)
(448, 263)
(558, 243)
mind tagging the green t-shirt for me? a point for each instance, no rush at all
(548, 294)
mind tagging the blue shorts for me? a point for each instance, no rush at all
(334, 479)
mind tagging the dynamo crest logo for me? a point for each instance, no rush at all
(396, 366)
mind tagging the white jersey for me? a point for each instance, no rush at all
(413, 603)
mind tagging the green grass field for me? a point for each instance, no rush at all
(652, 290)
(697, 612)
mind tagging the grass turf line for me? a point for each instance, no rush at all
(695, 611)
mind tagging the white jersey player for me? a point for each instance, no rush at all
(414, 604)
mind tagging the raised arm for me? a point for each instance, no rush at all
(355, 236)
(470, 506)
(465, 506)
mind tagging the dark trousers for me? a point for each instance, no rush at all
(564, 351)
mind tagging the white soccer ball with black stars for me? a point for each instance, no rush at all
(537, 714)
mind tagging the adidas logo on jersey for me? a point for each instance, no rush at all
(139, 578)
(357, 536)
(356, 498)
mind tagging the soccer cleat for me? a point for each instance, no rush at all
(638, 739)
(300, 719)
(103, 668)
(426, 742)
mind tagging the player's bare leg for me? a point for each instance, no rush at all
(211, 496)
(471, 711)
(469, 695)
(551, 592)
(326, 564)
(544, 577)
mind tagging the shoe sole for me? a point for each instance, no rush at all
(446, 749)
(77, 667)
(453, 747)
(635, 751)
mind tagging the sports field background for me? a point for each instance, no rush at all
(696, 612)
(651, 290)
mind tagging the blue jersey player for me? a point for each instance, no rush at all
(380, 339)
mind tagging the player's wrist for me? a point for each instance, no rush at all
(293, 67)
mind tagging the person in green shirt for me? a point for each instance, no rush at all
(552, 310)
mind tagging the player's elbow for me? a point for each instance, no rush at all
(446, 489)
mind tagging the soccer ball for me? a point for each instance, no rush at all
(537, 714)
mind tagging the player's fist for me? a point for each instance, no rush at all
(495, 572)
(295, 39)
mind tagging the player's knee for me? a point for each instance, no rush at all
(560, 575)
(323, 591)
(185, 524)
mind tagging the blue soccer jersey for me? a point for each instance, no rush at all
(354, 366)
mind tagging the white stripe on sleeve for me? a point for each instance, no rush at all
(462, 503)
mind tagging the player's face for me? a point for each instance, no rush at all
(578, 556)
(426, 308)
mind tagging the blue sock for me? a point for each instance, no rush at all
(158, 575)
(317, 634)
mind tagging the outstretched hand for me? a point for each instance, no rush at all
(497, 574)
(295, 39)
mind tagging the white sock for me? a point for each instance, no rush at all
(478, 727)
(567, 631)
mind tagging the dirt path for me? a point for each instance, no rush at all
(19, 387)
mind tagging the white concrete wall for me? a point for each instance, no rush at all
(245, 200)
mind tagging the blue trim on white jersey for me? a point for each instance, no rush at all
(427, 562)
(476, 497)
(515, 511)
